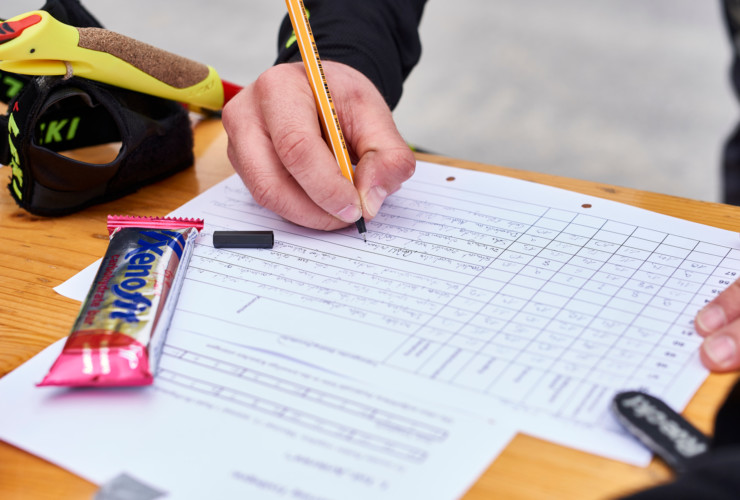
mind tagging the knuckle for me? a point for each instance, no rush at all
(328, 195)
(226, 115)
(230, 112)
(293, 147)
(267, 80)
(234, 110)
(405, 162)
(400, 163)
(266, 193)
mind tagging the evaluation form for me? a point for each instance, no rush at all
(224, 421)
(491, 295)
(486, 302)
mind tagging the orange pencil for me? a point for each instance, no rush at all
(324, 104)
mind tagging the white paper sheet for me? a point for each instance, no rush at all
(490, 295)
(223, 421)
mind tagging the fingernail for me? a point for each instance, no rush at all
(350, 213)
(374, 199)
(721, 349)
(711, 318)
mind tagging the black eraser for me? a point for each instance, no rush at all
(243, 239)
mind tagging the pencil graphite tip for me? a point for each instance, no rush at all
(360, 225)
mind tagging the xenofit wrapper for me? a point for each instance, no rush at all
(119, 333)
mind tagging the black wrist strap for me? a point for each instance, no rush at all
(52, 115)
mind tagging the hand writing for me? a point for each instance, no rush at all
(276, 146)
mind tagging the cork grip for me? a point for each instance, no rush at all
(166, 67)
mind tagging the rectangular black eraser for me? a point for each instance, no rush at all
(243, 239)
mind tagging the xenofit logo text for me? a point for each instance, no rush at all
(131, 303)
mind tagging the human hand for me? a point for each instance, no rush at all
(276, 147)
(719, 323)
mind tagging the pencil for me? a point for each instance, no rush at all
(324, 104)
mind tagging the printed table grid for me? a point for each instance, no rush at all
(280, 403)
(536, 351)
(541, 307)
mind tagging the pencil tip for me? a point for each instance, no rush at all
(361, 228)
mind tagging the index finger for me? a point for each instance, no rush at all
(721, 311)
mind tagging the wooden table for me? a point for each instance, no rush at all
(40, 253)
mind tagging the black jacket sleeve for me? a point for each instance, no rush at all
(714, 474)
(379, 38)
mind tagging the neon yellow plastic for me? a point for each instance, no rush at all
(43, 49)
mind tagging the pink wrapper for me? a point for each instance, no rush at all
(118, 336)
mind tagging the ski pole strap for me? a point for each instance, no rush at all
(51, 116)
